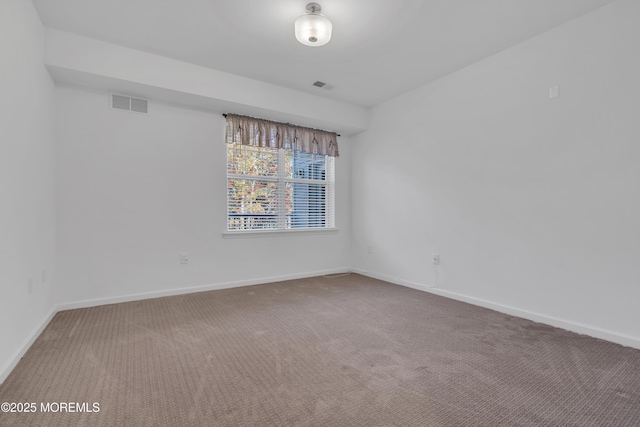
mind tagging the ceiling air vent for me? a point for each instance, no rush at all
(122, 102)
(323, 85)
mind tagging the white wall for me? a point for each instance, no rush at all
(135, 190)
(27, 213)
(532, 203)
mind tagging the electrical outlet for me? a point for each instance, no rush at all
(370, 249)
(436, 259)
(30, 284)
(184, 258)
(44, 276)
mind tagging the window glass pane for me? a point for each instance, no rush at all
(288, 164)
(248, 160)
(306, 205)
(260, 198)
(252, 204)
(300, 165)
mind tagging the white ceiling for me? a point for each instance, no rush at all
(379, 49)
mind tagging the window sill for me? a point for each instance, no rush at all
(276, 233)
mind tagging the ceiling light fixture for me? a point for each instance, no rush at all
(313, 29)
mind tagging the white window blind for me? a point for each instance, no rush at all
(278, 189)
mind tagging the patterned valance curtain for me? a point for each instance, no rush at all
(265, 133)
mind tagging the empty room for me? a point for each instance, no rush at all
(332, 213)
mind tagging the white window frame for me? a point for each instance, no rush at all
(281, 180)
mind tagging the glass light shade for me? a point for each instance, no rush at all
(313, 30)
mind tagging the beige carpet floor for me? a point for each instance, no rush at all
(347, 351)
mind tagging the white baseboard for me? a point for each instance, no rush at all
(193, 289)
(618, 338)
(11, 364)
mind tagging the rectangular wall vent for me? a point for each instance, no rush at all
(139, 105)
(122, 102)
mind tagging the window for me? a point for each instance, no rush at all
(279, 176)
(278, 189)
